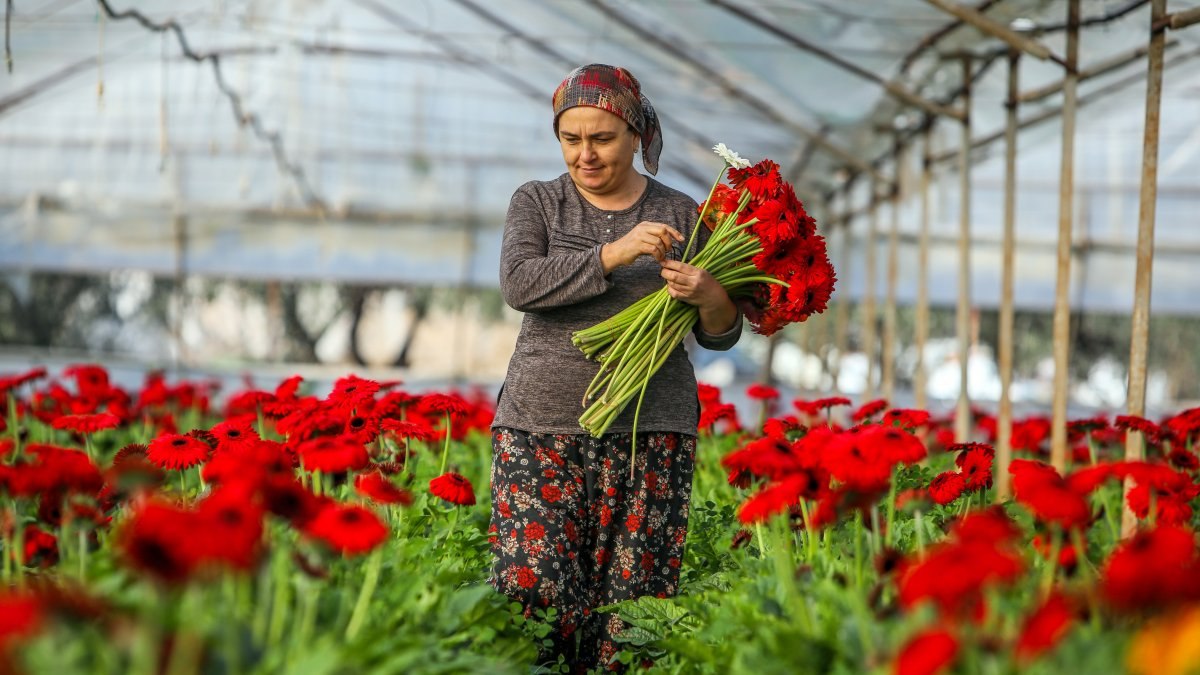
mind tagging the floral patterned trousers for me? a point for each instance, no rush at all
(571, 530)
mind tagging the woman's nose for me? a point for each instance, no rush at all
(587, 152)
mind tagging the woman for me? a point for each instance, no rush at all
(570, 529)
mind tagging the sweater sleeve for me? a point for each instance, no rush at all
(722, 341)
(531, 279)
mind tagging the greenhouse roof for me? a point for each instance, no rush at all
(364, 116)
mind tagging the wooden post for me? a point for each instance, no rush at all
(962, 417)
(1004, 416)
(841, 319)
(922, 318)
(1136, 398)
(868, 300)
(1066, 219)
(888, 380)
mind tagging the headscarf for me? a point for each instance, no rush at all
(617, 91)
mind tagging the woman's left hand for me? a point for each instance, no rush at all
(693, 285)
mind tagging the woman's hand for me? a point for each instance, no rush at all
(646, 238)
(697, 286)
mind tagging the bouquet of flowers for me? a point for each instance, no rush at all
(765, 252)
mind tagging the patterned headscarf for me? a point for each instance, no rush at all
(617, 91)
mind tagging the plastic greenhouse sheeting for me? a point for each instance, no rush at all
(411, 123)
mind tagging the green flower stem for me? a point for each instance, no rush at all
(305, 621)
(83, 553)
(700, 219)
(1048, 575)
(810, 535)
(446, 445)
(637, 412)
(370, 579)
(13, 431)
(891, 506)
(785, 575)
(281, 603)
(258, 626)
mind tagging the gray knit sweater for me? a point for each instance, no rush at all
(550, 269)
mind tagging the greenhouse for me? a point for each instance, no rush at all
(380, 336)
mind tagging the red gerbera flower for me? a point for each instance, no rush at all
(333, 455)
(707, 394)
(454, 488)
(947, 487)
(21, 616)
(869, 409)
(362, 428)
(1136, 423)
(1045, 627)
(41, 547)
(352, 391)
(906, 418)
(762, 392)
(91, 379)
(232, 526)
(777, 497)
(374, 486)
(975, 464)
(1154, 569)
(407, 429)
(285, 497)
(348, 529)
(175, 451)
(927, 653)
(713, 414)
(235, 434)
(87, 424)
(159, 540)
(445, 404)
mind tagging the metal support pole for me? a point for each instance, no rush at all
(868, 301)
(1066, 219)
(1134, 448)
(922, 318)
(1004, 416)
(888, 380)
(962, 417)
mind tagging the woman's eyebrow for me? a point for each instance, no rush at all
(598, 134)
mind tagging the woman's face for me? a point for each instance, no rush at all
(598, 148)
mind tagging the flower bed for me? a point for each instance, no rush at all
(148, 532)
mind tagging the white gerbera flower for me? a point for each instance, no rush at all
(731, 158)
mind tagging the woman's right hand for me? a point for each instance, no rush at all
(646, 238)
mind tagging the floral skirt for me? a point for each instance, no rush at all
(572, 530)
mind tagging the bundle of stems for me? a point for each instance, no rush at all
(632, 345)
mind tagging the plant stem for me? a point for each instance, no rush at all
(364, 595)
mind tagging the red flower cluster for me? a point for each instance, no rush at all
(840, 469)
(954, 574)
(713, 410)
(792, 250)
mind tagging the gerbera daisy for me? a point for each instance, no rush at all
(175, 451)
(869, 409)
(454, 488)
(407, 429)
(374, 486)
(87, 424)
(235, 434)
(352, 391)
(21, 615)
(333, 455)
(927, 653)
(348, 529)
(158, 539)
